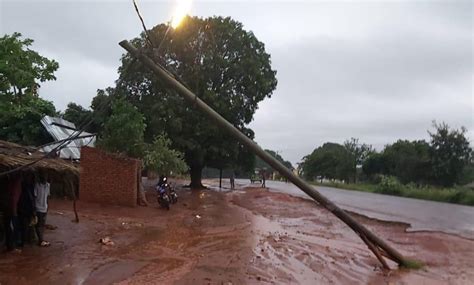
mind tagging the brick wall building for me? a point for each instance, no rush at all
(108, 178)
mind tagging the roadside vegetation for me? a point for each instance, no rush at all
(434, 170)
(456, 195)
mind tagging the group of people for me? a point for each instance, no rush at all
(24, 209)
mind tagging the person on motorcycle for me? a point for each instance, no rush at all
(162, 180)
(161, 189)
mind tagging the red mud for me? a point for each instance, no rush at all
(242, 237)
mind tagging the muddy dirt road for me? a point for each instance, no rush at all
(421, 215)
(240, 237)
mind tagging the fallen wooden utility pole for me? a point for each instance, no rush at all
(374, 243)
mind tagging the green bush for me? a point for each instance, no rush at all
(389, 185)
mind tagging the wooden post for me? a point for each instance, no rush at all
(73, 193)
(195, 101)
(375, 250)
(220, 177)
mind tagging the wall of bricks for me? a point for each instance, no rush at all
(107, 178)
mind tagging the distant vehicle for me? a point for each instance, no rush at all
(255, 178)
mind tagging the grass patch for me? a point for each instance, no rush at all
(455, 195)
(412, 264)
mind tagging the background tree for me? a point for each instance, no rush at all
(374, 164)
(21, 70)
(100, 110)
(450, 153)
(259, 163)
(78, 115)
(20, 122)
(409, 161)
(223, 64)
(331, 161)
(359, 153)
(123, 130)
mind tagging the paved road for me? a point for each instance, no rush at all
(420, 214)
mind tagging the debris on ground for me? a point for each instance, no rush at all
(106, 241)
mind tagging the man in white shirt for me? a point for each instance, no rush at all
(42, 189)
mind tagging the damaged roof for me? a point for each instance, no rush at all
(13, 155)
(61, 129)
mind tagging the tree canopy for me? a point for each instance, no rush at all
(21, 70)
(409, 161)
(20, 121)
(359, 153)
(450, 153)
(442, 161)
(78, 115)
(331, 161)
(259, 163)
(220, 62)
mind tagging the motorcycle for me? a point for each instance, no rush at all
(172, 194)
(163, 197)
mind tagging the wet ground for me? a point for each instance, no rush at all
(421, 215)
(240, 237)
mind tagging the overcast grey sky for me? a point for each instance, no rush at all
(377, 71)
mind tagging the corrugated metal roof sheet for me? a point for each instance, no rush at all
(61, 129)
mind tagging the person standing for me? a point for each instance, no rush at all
(232, 180)
(12, 227)
(41, 192)
(26, 207)
(263, 179)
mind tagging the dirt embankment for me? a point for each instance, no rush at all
(243, 237)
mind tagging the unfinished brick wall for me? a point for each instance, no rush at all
(108, 178)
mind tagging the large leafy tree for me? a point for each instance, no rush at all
(359, 152)
(220, 62)
(450, 153)
(21, 71)
(331, 161)
(409, 161)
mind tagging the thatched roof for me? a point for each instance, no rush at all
(13, 155)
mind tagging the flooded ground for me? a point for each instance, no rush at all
(240, 237)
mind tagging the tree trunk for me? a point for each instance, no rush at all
(196, 175)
